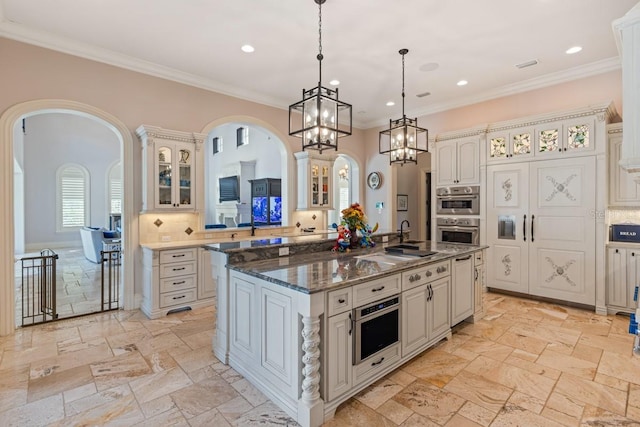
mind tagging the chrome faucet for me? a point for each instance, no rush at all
(401, 235)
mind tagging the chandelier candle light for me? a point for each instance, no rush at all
(404, 139)
(320, 118)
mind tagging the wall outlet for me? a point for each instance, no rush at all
(166, 238)
(385, 239)
(283, 251)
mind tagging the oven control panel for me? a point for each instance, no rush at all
(378, 306)
(466, 222)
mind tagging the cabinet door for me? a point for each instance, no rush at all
(339, 355)
(468, 163)
(478, 289)
(446, 163)
(414, 319)
(521, 143)
(245, 318)
(462, 282)
(498, 146)
(579, 135)
(184, 182)
(320, 181)
(562, 228)
(163, 191)
(207, 275)
(507, 227)
(617, 287)
(623, 190)
(633, 276)
(439, 312)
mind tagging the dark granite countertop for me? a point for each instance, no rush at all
(320, 271)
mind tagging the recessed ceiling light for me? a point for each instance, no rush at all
(390, 104)
(462, 83)
(334, 82)
(574, 49)
(362, 112)
(247, 48)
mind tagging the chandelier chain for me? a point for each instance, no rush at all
(320, 28)
(403, 85)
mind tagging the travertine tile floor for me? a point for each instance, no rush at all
(526, 363)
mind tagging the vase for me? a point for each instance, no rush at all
(354, 238)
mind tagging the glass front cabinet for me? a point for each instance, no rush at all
(315, 181)
(169, 169)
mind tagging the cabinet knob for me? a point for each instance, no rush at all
(418, 277)
(616, 251)
(411, 279)
(429, 273)
(341, 301)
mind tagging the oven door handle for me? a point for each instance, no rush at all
(351, 323)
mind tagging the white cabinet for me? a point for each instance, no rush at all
(458, 162)
(170, 169)
(478, 285)
(623, 190)
(541, 229)
(425, 306)
(462, 288)
(339, 354)
(566, 138)
(174, 280)
(623, 275)
(244, 322)
(315, 180)
(510, 144)
(207, 275)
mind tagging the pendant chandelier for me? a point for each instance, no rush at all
(404, 139)
(320, 118)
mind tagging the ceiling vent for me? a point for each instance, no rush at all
(423, 94)
(527, 64)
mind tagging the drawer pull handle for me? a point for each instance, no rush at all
(429, 273)
(464, 258)
(180, 297)
(377, 289)
(341, 300)
(178, 256)
(180, 282)
(178, 269)
(411, 278)
(418, 277)
(378, 362)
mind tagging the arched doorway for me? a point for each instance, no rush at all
(9, 120)
(258, 132)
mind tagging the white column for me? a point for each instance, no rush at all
(627, 33)
(310, 404)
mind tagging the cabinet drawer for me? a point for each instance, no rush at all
(339, 301)
(429, 273)
(365, 293)
(177, 298)
(178, 269)
(177, 283)
(178, 255)
(382, 360)
(478, 258)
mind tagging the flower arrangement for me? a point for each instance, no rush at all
(355, 220)
(354, 217)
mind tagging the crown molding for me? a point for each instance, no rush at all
(592, 69)
(46, 40)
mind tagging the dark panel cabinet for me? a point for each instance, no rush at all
(266, 200)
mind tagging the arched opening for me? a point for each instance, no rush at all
(246, 148)
(10, 128)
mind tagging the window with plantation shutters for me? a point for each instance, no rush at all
(115, 189)
(73, 197)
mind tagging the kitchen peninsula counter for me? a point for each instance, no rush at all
(288, 323)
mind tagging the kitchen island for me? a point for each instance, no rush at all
(314, 328)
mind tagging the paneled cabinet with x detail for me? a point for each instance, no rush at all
(541, 229)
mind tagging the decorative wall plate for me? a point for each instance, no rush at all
(374, 180)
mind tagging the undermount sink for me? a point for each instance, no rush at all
(402, 246)
(412, 241)
(408, 250)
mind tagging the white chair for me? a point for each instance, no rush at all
(94, 239)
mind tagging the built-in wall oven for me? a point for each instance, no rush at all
(458, 230)
(461, 200)
(376, 327)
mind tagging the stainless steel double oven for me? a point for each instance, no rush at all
(459, 204)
